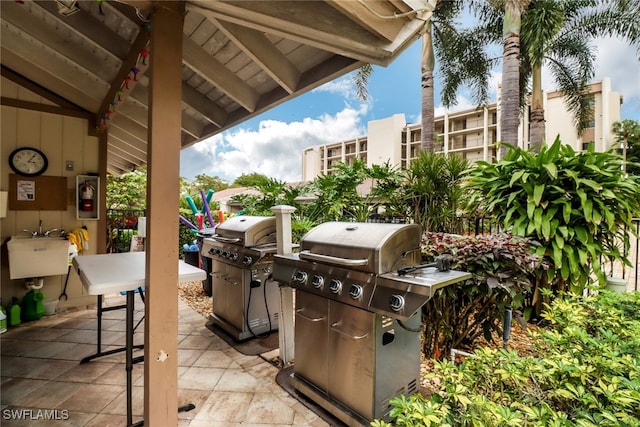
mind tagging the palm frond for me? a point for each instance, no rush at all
(361, 81)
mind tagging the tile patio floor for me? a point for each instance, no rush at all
(40, 371)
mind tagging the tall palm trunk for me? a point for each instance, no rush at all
(536, 120)
(510, 98)
(426, 67)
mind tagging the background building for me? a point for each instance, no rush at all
(471, 134)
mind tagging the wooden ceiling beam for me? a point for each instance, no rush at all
(41, 26)
(39, 90)
(128, 63)
(191, 126)
(187, 140)
(379, 17)
(125, 146)
(191, 97)
(217, 74)
(125, 152)
(124, 135)
(260, 49)
(203, 105)
(85, 24)
(130, 126)
(310, 22)
(45, 108)
(117, 161)
(137, 109)
(54, 75)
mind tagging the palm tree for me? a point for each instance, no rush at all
(427, 64)
(462, 57)
(510, 95)
(430, 191)
(558, 34)
(628, 137)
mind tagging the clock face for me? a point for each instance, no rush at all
(28, 161)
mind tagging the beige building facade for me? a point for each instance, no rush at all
(471, 134)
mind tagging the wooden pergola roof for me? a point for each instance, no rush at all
(240, 58)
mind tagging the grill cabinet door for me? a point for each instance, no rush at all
(228, 295)
(312, 314)
(352, 357)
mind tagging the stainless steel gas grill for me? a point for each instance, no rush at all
(357, 315)
(245, 298)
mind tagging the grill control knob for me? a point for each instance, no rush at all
(317, 281)
(335, 286)
(247, 260)
(233, 256)
(355, 291)
(396, 302)
(300, 277)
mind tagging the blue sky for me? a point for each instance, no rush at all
(272, 143)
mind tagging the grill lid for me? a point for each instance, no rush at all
(246, 230)
(369, 247)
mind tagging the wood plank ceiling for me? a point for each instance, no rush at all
(240, 58)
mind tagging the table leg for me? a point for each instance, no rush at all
(129, 354)
(99, 352)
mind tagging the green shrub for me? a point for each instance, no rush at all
(588, 374)
(502, 269)
(576, 204)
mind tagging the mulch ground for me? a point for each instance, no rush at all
(520, 340)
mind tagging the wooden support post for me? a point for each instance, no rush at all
(163, 177)
(101, 244)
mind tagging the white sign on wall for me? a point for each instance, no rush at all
(26, 191)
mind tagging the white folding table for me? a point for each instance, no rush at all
(109, 273)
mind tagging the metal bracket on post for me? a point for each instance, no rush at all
(285, 321)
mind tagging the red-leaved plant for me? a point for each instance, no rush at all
(502, 268)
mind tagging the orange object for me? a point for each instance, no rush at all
(221, 216)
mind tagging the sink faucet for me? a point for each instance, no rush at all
(40, 233)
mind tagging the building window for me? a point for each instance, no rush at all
(591, 103)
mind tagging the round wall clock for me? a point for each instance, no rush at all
(28, 161)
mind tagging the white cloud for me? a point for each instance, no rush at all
(615, 59)
(618, 61)
(274, 149)
(343, 87)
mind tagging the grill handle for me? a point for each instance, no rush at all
(345, 262)
(226, 239)
(310, 319)
(349, 334)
